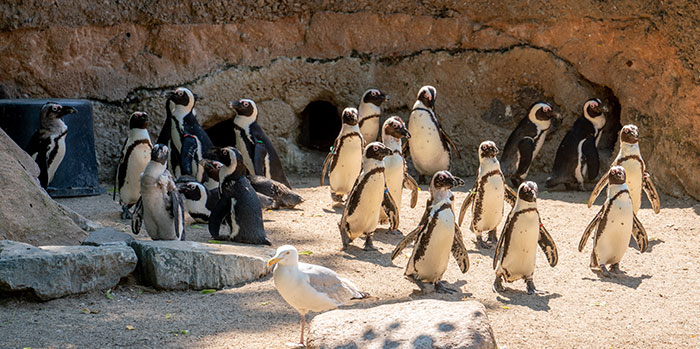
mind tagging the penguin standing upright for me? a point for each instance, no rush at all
(48, 144)
(259, 155)
(345, 157)
(525, 142)
(135, 155)
(577, 159)
(637, 177)
(613, 225)
(159, 208)
(523, 231)
(436, 237)
(369, 113)
(430, 146)
(488, 194)
(395, 166)
(181, 120)
(368, 195)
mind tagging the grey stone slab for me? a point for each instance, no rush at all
(108, 236)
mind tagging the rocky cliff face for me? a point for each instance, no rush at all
(487, 61)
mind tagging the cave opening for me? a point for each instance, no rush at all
(611, 130)
(320, 125)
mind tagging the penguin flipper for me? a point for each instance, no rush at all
(548, 246)
(325, 165)
(117, 182)
(43, 164)
(590, 153)
(392, 212)
(650, 191)
(510, 195)
(259, 159)
(602, 182)
(411, 184)
(589, 229)
(446, 137)
(526, 147)
(459, 251)
(218, 214)
(411, 237)
(177, 210)
(164, 136)
(468, 201)
(137, 217)
(189, 155)
(640, 234)
(500, 247)
(404, 150)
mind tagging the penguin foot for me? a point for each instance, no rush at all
(604, 271)
(344, 238)
(126, 214)
(337, 197)
(530, 287)
(498, 284)
(441, 288)
(369, 246)
(492, 237)
(482, 244)
(419, 283)
(615, 269)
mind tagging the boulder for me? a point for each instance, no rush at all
(179, 265)
(108, 236)
(56, 271)
(426, 323)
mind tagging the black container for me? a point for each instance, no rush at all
(77, 174)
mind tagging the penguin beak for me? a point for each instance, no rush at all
(66, 111)
(386, 97)
(234, 105)
(456, 181)
(273, 261)
(169, 94)
(405, 133)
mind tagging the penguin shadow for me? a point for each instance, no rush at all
(486, 252)
(430, 293)
(537, 302)
(353, 252)
(335, 209)
(650, 245)
(620, 278)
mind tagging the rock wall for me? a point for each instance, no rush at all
(488, 61)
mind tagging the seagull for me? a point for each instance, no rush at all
(309, 287)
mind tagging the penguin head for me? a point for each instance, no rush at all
(541, 111)
(426, 95)
(488, 149)
(629, 134)
(160, 153)
(350, 116)
(376, 151)
(232, 158)
(244, 107)
(138, 120)
(374, 96)
(191, 190)
(52, 111)
(528, 191)
(286, 255)
(211, 168)
(182, 97)
(395, 127)
(594, 108)
(617, 175)
(445, 180)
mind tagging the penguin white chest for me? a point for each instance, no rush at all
(393, 169)
(60, 150)
(140, 155)
(427, 151)
(348, 165)
(616, 231)
(366, 215)
(490, 203)
(432, 251)
(633, 171)
(519, 258)
(370, 128)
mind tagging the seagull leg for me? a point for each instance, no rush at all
(303, 324)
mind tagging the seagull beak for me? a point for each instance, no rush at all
(272, 262)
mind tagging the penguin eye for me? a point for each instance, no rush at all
(375, 148)
(179, 93)
(374, 93)
(54, 108)
(245, 104)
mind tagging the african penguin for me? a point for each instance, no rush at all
(259, 155)
(638, 178)
(238, 207)
(135, 155)
(345, 157)
(436, 237)
(577, 159)
(369, 113)
(395, 166)
(488, 194)
(430, 146)
(197, 200)
(526, 141)
(159, 208)
(523, 231)
(613, 225)
(210, 173)
(181, 120)
(48, 144)
(368, 195)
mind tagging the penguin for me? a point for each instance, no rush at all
(525, 142)
(436, 237)
(395, 171)
(345, 157)
(135, 155)
(488, 194)
(48, 144)
(191, 157)
(159, 207)
(523, 231)
(238, 206)
(210, 173)
(577, 159)
(638, 178)
(430, 146)
(368, 196)
(613, 225)
(259, 155)
(369, 113)
(197, 200)
(181, 120)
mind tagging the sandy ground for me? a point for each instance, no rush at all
(654, 304)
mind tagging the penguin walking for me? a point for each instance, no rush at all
(525, 142)
(159, 208)
(430, 146)
(395, 171)
(238, 207)
(436, 237)
(637, 177)
(488, 194)
(181, 120)
(522, 232)
(369, 113)
(368, 196)
(345, 157)
(613, 225)
(259, 155)
(135, 155)
(48, 144)
(577, 159)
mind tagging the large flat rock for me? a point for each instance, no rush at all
(424, 323)
(56, 271)
(183, 265)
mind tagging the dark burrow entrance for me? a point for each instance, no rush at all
(612, 127)
(320, 125)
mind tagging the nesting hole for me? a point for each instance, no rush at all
(320, 125)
